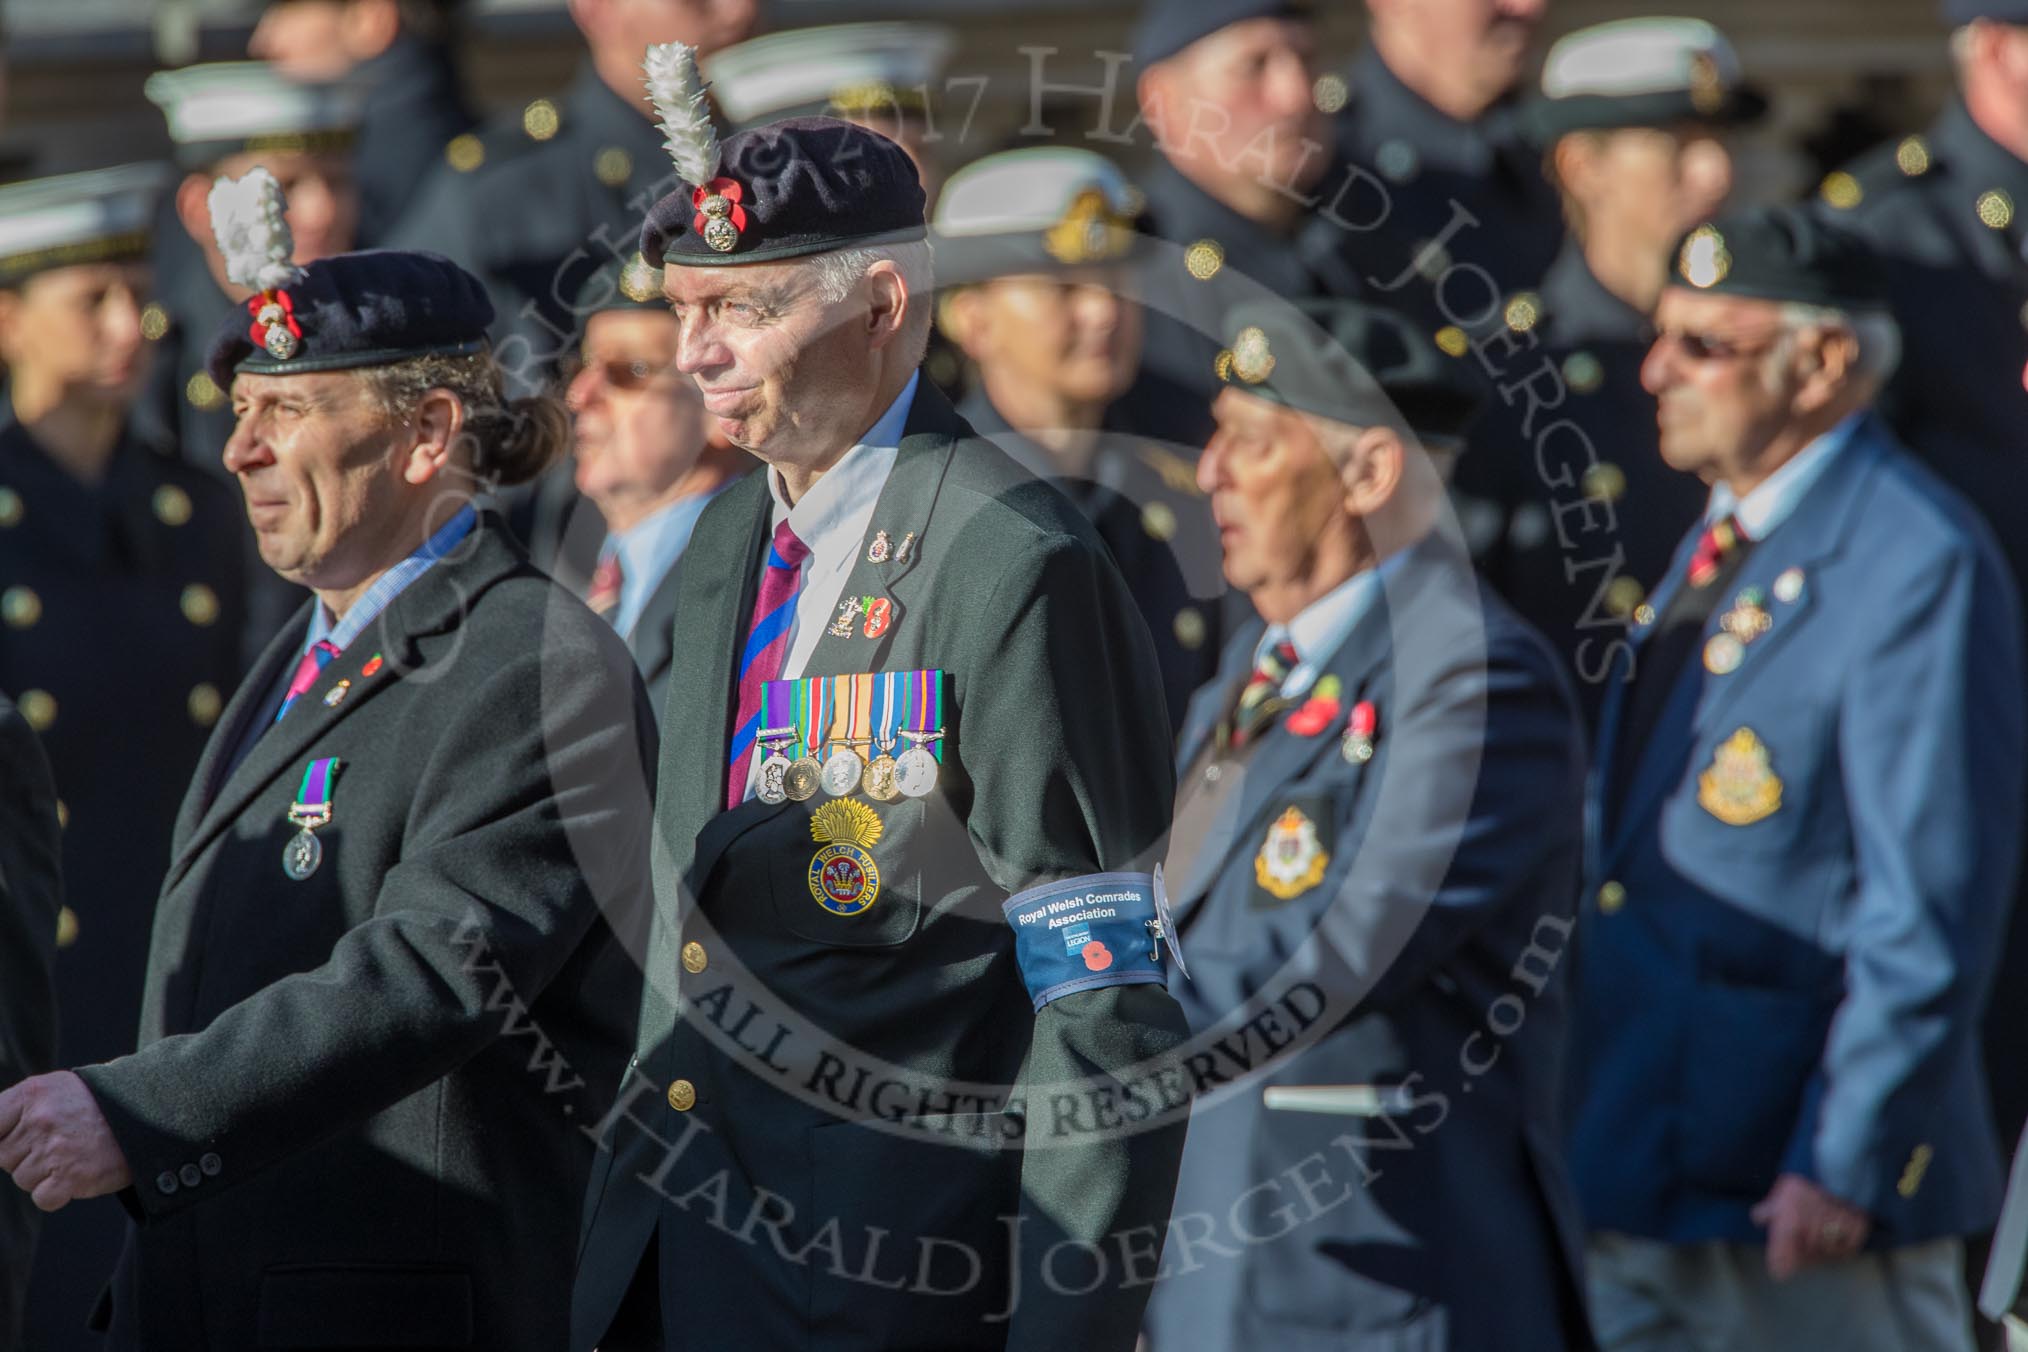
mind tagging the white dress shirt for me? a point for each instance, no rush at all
(833, 520)
(1322, 627)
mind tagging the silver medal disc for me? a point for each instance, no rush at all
(302, 854)
(772, 789)
(915, 772)
(842, 769)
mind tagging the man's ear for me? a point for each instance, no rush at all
(193, 207)
(438, 419)
(1372, 471)
(10, 305)
(960, 318)
(888, 302)
(1829, 357)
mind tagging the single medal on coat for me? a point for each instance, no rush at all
(801, 779)
(915, 773)
(843, 767)
(312, 809)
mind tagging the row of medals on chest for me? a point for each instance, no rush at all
(884, 778)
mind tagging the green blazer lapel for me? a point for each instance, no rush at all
(906, 505)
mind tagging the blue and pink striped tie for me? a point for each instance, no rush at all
(322, 651)
(767, 644)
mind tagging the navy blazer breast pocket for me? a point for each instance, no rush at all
(847, 872)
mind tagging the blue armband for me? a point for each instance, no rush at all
(1083, 933)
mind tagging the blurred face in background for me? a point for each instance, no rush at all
(1235, 109)
(74, 334)
(1646, 183)
(1042, 339)
(1461, 55)
(1726, 374)
(637, 421)
(316, 40)
(1275, 496)
(625, 29)
(322, 196)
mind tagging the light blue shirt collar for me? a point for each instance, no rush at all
(387, 586)
(649, 549)
(1774, 499)
(1322, 626)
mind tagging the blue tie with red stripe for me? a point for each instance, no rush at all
(767, 644)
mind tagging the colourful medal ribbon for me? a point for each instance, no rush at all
(929, 707)
(861, 728)
(883, 712)
(312, 807)
(814, 709)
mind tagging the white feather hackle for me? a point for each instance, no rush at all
(247, 222)
(677, 92)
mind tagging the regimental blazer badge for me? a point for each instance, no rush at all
(1741, 786)
(1291, 860)
(843, 877)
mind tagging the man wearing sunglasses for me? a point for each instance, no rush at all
(644, 457)
(1803, 837)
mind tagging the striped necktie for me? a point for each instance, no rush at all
(1718, 541)
(604, 594)
(767, 645)
(1254, 708)
(321, 652)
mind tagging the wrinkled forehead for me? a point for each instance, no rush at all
(320, 387)
(781, 283)
(1683, 309)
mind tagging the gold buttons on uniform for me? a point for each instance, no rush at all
(62, 814)
(171, 504)
(38, 707)
(1204, 258)
(200, 604)
(1912, 156)
(203, 392)
(465, 153)
(613, 166)
(1524, 311)
(1330, 93)
(20, 607)
(1918, 1165)
(154, 321)
(539, 120)
(1611, 897)
(694, 958)
(1996, 210)
(1582, 372)
(1451, 341)
(204, 704)
(10, 507)
(1842, 191)
(682, 1095)
(1605, 480)
(1623, 595)
(1644, 614)
(1189, 626)
(1159, 520)
(66, 927)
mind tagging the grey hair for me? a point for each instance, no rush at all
(1876, 331)
(842, 269)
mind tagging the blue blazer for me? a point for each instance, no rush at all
(1433, 909)
(1798, 894)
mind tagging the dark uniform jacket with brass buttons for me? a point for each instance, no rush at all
(1944, 210)
(536, 202)
(1055, 766)
(121, 610)
(352, 1120)
(31, 890)
(1419, 167)
(416, 109)
(1565, 500)
(1421, 891)
(1799, 878)
(1145, 504)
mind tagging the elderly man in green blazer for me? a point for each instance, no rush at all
(891, 1083)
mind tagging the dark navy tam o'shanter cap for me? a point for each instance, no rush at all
(1348, 361)
(1168, 26)
(1782, 253)
(370, 308)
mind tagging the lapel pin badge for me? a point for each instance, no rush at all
(1788, 586)
(337, 694)
(879, 614)
(1359, 730)
(878, 551)
(372, 667)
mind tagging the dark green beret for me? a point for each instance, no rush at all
(1348, 361)
(1779, 253)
